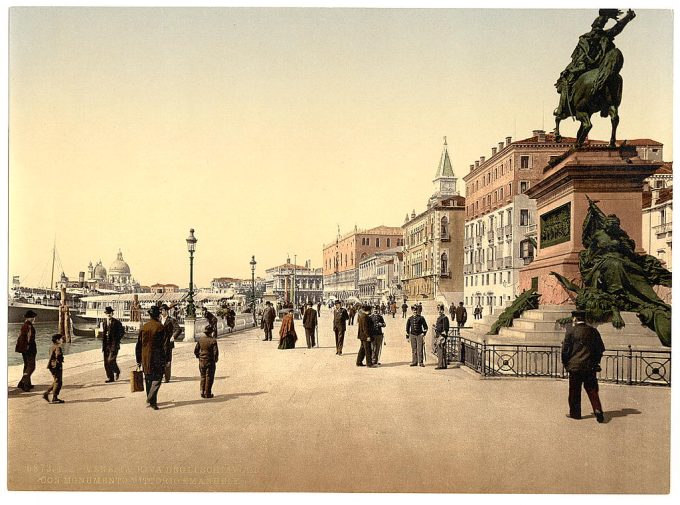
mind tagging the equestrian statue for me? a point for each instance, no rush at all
(591, 82)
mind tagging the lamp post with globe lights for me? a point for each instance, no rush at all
(190, 319)
(252, 271)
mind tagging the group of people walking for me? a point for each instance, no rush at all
(582, 348)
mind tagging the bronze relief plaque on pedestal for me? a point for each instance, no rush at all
(555, 226)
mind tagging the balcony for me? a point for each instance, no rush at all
(499, 263)
(479, 239)
(445, 275)
(489, 264)
(467, 269)
(445, 237)
(469, 242)
(490, 236)
(527, 260)
(478, 267)
(660, 229)
(531, 230)
(507, 262)
(508, 230)
(499, 232)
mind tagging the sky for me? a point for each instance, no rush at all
(267, 129)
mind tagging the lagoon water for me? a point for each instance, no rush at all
(43, 337)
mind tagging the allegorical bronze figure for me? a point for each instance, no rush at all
(591, 82)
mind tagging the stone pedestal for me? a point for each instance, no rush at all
(613, 179)
(190, 330)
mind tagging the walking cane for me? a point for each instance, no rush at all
(316, 329)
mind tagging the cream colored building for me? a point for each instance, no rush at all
(433, 245)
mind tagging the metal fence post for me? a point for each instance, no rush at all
(483, 358)
(630, 364)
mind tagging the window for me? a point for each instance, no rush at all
(523, 186)
(510, 188)
(526, 249)
(524, 217)
(388, 242)
(501, 191)
(444, 263)
(377, 242)
(662, 216)
(524, 161)
(659, 184)
(444, 229)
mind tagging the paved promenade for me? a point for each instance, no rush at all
(308, 420)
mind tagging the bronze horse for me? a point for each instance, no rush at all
(597, 90)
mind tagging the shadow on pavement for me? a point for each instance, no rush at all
(398, 363)
(608, 416)
(191, 379)
(92, 400)
(217, 399)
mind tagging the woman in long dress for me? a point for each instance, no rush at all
(287, 334)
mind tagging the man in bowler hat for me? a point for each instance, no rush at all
(28, 349)
(309, 323)
(208, 353)
(172, 331)
(267, 323)
(582, 351)
(113, 333)
(340, 317)
(150, 354)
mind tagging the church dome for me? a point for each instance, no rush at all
(119, 266)
(99, 271)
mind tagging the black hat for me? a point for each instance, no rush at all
(154, 311)
(208, 330)
(108, 310)
(267, 302)
(165, 306)
(56, 337)
(579, 314)
(337, 302)
(29, 313)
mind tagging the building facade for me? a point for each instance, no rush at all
(657, 215)
(500, 218)
(341, 258)
(379, 276)
(296, 284)
(433, 241)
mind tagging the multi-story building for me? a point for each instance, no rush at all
(296, 284)
(341, 258)
(657, 215)
(433, 241)
(379, 276)
(500, 218)
(164, 288)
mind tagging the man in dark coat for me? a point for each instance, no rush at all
(461, 315)
(309, 322)
(404, 308)
(364, 334)
(452, 312)
(582, 351)
(340, 317)
(318, 309)
(150, 354)
(28, 349)
(441, 332)
(268, 317)
(416, 329)
(352, 312)
(113, 333)
(172, 331)
(212, 320)
(208, 354)
(377, 335)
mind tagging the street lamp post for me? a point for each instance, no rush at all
(190, 319)
(252, 270)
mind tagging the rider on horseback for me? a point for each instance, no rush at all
(589, 54)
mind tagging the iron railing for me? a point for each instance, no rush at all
(620, 366)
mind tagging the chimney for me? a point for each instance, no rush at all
(481, 160)
(472, 167)
(500, 146)
(508, 141)
(477, 164)
(540, 134)
(81, 279)
(493, 151)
